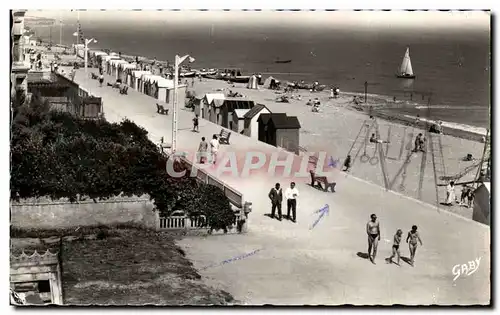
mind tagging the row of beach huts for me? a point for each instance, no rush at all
(239, 114)
(244, 116)
(144, 81)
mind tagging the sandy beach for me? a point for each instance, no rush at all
(297, 265)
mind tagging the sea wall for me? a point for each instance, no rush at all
(48, 214)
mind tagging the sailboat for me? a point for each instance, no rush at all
(406, 71)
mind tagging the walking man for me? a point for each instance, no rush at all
(203, 150)
(214, 148)
(101, 79)
(276, 196)
(195, 124)
(413, 237)
(373, 231)
(291, 195)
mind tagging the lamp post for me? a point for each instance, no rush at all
(85, 51)
(178, 61)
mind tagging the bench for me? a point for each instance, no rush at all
(124, 90)
(320, 180)
(224, 136)
(161, 110)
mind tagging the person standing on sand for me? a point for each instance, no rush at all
(418, 143)
(214, 148)
(373, 232)
(276, 196)
(450, 193)
(413, 237)
(202, 150)
(195, 123)
(395, 247)
(101, 79)
(347, 164)
(291, 195)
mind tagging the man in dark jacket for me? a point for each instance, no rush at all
(276, 196)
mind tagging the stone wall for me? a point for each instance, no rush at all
(47, 214)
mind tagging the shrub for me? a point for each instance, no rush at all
(58, 155)
(215, 205)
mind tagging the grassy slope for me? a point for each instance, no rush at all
(130, 266)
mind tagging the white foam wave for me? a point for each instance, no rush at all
(468, 128)
(448, 107)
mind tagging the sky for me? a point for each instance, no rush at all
(456, 20)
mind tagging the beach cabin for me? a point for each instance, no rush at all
(280, 130)
(237, 122)
(124, 72)
(145, 84)
(107, 63)
(95, 59)
(221, 110)
(201, 109)
(251, 124)
(253, 83)
(136, 79)
(115, 64)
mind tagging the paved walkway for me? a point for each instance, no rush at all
(321, 266)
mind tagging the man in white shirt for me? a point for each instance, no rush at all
(214, 148)
(291, 195)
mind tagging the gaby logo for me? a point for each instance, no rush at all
(466, 269)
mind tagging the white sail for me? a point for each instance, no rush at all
(406, 68)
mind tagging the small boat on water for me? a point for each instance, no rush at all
(406, 70)
(206, 72)
(283, 61)
(190, 74)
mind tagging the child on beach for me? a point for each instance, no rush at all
(413, 237)
(470, 197)
(101, 79)
(395, 247)
(347, 164)
(463, 195)
(195, 124)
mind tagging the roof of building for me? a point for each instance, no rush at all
(238, 103)
(280, 120)
(255, 110)
(212, 96)
(240, 113)
(266, 117)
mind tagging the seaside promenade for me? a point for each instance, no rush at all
(297, 265)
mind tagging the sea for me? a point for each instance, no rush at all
(455, 66)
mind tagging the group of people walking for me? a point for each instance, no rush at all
(373, 232)
(291, 195)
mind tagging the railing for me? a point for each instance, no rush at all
(234, 196)
(191, 223)
(178, 222)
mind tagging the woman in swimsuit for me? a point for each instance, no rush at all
(373, 231)
(413, 237)
(395, 246)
